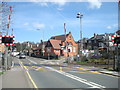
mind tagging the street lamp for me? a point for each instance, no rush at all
(43, 42)
(79, 15)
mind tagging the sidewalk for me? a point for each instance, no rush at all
(114, 73)
(15, 78)
(97, 69)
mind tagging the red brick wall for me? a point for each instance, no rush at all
(53, 51)
(71, 40)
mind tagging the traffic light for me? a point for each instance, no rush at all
(117, 40)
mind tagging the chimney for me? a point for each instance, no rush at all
(69, 32)
(95, 35)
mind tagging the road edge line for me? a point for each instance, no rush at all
(32, 81)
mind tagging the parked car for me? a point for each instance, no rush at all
(22, 56)
(14, 54)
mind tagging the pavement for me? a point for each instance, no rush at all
(15, 78)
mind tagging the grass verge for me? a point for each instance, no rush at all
(1, 73)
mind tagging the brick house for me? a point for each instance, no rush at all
(62, 46)
(38, 49)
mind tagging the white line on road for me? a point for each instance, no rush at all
(94, 85)
(32, 61)
(20, 64)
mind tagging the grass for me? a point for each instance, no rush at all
(1, 73)
(110, 69)
(80, 62)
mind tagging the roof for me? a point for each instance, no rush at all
(59, 37)
(118, 32)
(41, 44)
(99, 37)
(55, 43)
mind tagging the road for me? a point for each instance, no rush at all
(52, 74)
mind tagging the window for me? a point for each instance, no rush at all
(100, 44)
(70, 49)
(57, 50)
(70, 37)
(48, 49)
(74, 49)
(65, 50)
(95, 41)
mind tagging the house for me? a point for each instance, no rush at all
(118, 32)
(62, 46)
(39, 49)
(84, 42)
(53, 47)
(100, 43)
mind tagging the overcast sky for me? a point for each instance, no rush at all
(27, 17)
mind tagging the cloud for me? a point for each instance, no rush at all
(59, 2)
(59, 9)
(112, 26)
(109, 27)
(45, 2)
(26, 24)
(94, 4)
(38, 25)
(42, 3)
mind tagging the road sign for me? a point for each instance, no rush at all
(115, 39)
(6, 40)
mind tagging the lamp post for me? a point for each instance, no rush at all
(79, 15)
(43, 42)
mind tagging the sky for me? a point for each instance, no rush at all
(33, 21)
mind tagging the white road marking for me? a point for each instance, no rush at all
(12, 64)
(94, 85)
(32, 61)
(57, 63)
(20, 64)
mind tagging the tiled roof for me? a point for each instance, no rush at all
(60, 37)
(55, 43)
(41, 44)
(118, 32)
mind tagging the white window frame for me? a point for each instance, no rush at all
(74, 49)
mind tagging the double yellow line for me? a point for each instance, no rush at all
(35, 86)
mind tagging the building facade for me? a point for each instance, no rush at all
(62, 45)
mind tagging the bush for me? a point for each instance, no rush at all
(81, 62)
(91, 60)
(84, 59)
(53, 56)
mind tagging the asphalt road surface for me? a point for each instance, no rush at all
(52, 74)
